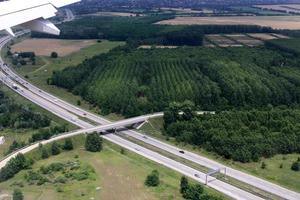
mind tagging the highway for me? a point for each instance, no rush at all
(70, 113)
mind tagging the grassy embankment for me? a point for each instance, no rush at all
(119, 176)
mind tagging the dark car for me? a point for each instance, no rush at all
(181, 151)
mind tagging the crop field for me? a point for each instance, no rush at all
(44, 47)
(286, 8)
(238, 40)
(222, 41)
(275, 22)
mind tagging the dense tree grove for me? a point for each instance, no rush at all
(17, 194)
(132, 81)
(13, 115)
(238, 134)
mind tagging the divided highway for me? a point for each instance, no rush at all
(70, 113)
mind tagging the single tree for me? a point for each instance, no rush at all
(55, 150)
(152, 179)
(54, 54)
(44, 153)
(295, 166)
(263, 165)
(184, 184)
(93, 142)
(18, 195)
(68, 145)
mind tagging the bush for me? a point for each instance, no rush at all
(18, 195)
(193, 192)
(68, 145)
(44, 153)
(93, 142)
(184, 184)
(152, 179)
(54, 55)
(295, 166)
(55, 150)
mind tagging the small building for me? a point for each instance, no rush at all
(2, 140)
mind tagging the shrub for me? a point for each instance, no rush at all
(93, 142)
(152, 179)
(68, 145)
(295, 166)
(55, 150)
(54, 55)
(18, 195)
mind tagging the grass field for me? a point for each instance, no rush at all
(283, 176)
(44, 47)
(38, 74)
(119, 176)
(276, 22)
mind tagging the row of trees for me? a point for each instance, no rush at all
(238, 134)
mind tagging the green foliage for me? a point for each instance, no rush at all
(14, 146)
(242, 135)
(47, 133)
(263, 165)
(44, 153)
(68, 145)
(132, 82)
(13, 166)
(93, 142)
(152, 179)
(296, 166)
(184, 184)
(17, 116)
(55, 148)
(17, 194)
(193, 192)
(54, 55)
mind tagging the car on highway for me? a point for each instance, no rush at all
(181, 151)
(197, 175)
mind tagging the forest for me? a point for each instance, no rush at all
(133, 81)
(241, 135)
(13, 115)
(143, 30)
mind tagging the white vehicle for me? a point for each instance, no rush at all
(15, 86)
(31, 14)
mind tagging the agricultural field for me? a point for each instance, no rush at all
(275, 22)
(44, 47)
(113, 174)
(285, 8)
(238, 40)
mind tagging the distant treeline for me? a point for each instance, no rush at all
(143, 30)
(237, 134)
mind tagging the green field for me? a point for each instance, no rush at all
(283, 176)
(119, 176)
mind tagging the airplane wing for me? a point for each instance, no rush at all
(32, 14)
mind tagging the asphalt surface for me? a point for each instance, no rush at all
(70, 113)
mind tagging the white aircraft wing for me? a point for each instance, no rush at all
(32, 14)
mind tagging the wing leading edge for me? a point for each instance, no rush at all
(32, 14)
